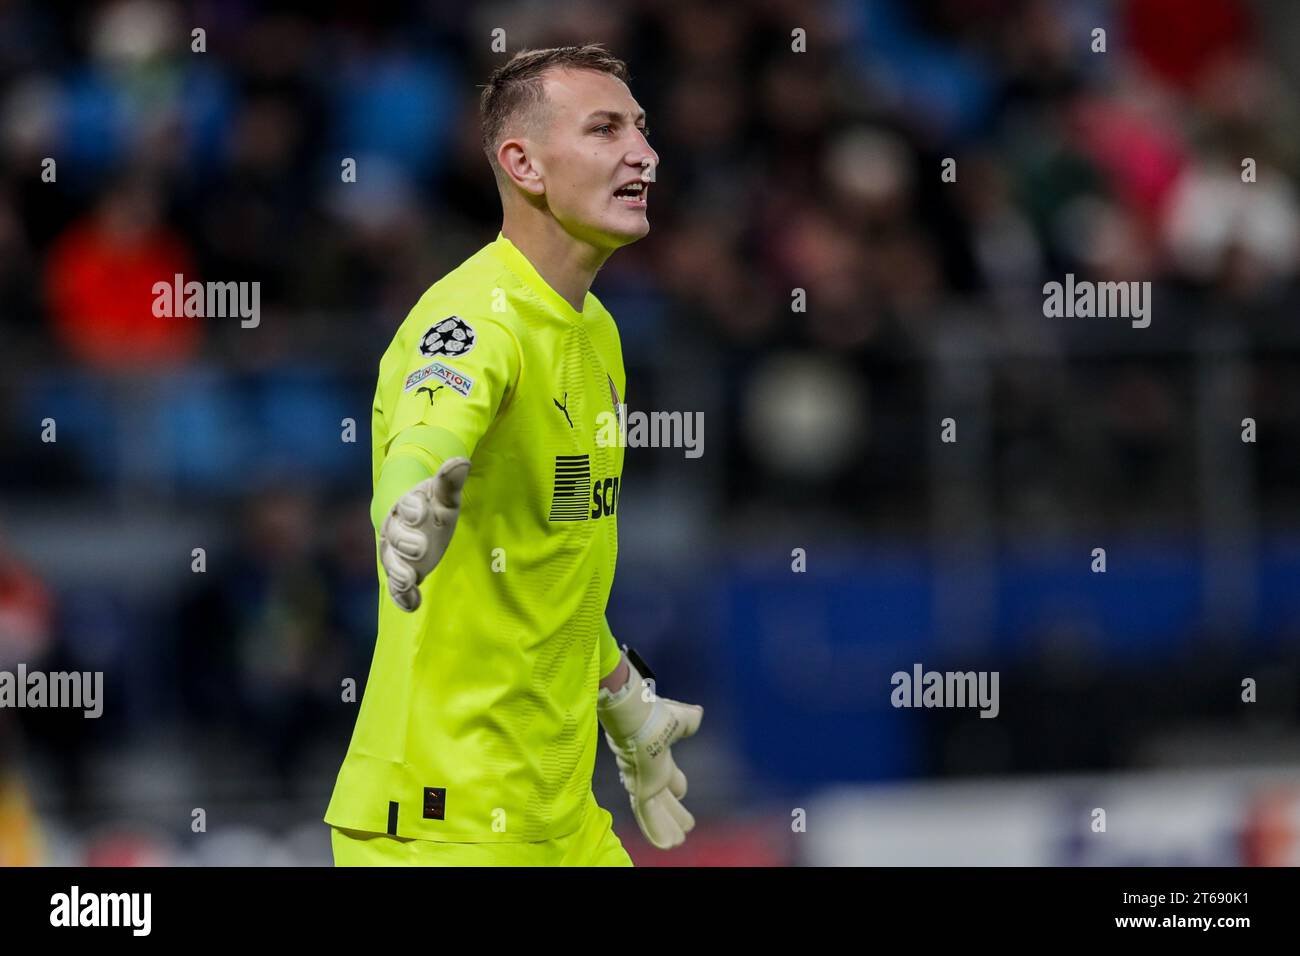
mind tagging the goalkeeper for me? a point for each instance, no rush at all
(496, 510)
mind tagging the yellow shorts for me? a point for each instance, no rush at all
(594, 843)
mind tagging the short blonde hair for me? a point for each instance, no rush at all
(516, 88)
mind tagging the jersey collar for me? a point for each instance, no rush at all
(518, 263)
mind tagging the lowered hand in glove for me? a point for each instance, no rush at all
(641, 729)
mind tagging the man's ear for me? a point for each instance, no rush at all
(521, 167)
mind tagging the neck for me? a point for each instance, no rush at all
(568, 264)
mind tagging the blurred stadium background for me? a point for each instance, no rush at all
(780, 170)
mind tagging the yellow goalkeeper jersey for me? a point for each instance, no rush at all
(478, 721)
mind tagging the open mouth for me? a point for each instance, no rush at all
(634, 193)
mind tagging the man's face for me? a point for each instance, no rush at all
(595, 161)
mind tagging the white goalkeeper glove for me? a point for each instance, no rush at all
(418, 529)
(641, 728)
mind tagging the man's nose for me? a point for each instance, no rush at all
(648, 160)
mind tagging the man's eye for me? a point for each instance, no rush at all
(602, 127)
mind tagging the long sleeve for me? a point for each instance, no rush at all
(610, 652)
(445, 406)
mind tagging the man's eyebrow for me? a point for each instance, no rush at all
(612, 115)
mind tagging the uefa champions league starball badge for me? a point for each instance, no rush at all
(452, 337)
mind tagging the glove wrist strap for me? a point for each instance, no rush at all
(624, 712)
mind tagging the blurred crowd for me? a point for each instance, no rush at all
(783, 169)
(803, 147)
